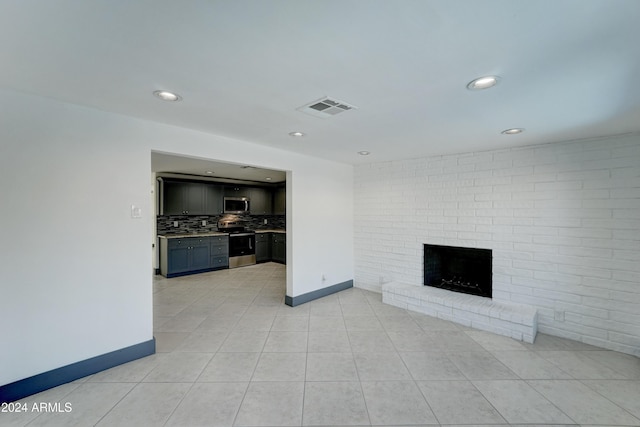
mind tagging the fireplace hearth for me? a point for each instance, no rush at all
(466, 270)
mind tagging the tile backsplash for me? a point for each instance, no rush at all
(192, 224)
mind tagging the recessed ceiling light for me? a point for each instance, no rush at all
(268, 178)
(364, 153)
(296, 134)
(209, 172)
(167, 96)
(512, 131)
(483, 83)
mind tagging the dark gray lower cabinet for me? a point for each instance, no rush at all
(263, 247)
(271, 247)
(219, 252)
(279, 248)
(189, 255)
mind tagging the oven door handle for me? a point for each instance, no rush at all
(241, 234)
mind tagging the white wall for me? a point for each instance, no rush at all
(76, 268)
(563, 221)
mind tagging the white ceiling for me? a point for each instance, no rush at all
(569, 68)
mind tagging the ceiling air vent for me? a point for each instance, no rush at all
(326, 107)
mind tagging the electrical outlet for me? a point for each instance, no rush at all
(175, 223)
(265, 220)
(204, 222)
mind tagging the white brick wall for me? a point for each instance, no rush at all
(563, 221)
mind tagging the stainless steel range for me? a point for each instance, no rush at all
(242, 243)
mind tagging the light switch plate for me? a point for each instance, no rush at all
(136, 212)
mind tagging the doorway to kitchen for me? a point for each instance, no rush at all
(202, 205)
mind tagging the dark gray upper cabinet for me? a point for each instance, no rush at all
(207, 198)
(183, 198)
(214, 199)
(280, 201)
(260, 201)
(236, 191)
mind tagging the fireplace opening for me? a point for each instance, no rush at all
(466, 270)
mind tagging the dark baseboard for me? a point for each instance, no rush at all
(310, 296)
(41, 382)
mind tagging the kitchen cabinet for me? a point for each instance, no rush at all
(219, 252)
(214, 196)
(236, 191)
(280, 201)
(279, 247)
(263, 247)
(180, 197)
(183, 198)
(188, 255)
(260, 201)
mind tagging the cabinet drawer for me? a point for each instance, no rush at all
(217, 250)
(262, 237)
(219, 261)
(177, 243)
(188, 241)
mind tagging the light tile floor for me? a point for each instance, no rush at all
(230, 353)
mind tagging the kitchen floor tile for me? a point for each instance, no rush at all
(331, 367)
(272, 404)
(580, 366)
(230, 367)
(396, 402)
(453, 341)
(291, 323)
(327, 341)
(624, 393)
(459, 402)
(625, 364)
(363, 323)
(148, 404)
(178, 367)
(88, 403)
(167, 342)
(431, 366)
(244, 341)
(481, 365)
(492, 342)
(326, 323)
(518, 403)
(370, 341)
(286, 342)
(412, 340)
(379, 366)
(209, 404)
(334, 404)
(529, 365)
(280, 367)
(582, 404)
(203, 341)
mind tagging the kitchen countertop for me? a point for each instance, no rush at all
(214, 233)
(184, 236)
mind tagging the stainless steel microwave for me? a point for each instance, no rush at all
(236, 205)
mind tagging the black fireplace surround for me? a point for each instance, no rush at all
(466, 270)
